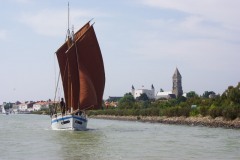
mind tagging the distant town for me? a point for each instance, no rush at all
(35, 106)
(25, 107)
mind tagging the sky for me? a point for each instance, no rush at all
(142, 43)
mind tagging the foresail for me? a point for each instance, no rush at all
(62, 61)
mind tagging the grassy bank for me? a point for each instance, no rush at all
(172, 115)
(229, 113)
(193, 121)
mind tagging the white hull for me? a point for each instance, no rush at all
(4, 111)
(69, 122)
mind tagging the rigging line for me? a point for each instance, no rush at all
(55, 107)
(56, 86)
(64, 74)
(54, 68)
(91, 106)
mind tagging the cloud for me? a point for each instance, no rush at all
(219, 11)
(188, 42)
(53, 22)
(206, 29)
(193, 27)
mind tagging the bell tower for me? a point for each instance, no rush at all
(177, 84)
(133, 91)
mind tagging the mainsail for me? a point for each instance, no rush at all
(82, 70)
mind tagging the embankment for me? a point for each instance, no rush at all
(193, 121)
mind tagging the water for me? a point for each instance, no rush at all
(24, 137)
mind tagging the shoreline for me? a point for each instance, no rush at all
(191, 121)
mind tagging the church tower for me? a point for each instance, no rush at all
(177, 84)
(133, 91)
(153, 92)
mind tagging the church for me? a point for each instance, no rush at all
(176, 89)
(149, 92)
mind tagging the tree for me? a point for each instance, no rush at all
(232, 94)
(206, 94)
(8, 106)
(181, 99)
(192, 94)
(127, 101)
(143, 97)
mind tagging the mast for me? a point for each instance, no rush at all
(70, 95)
(68, 15)
(69, 40)
(73, 40)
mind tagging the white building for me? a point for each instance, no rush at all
(37, 107)
(15, 108)
(40, 105)
(26, 107)
(22, 107)
(165, 95)
(149, 92)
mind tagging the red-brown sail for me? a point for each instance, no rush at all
(83, 63)
(64, 65)
(91, 71)
(62, 61)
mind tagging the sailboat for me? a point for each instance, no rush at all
(4, 111)
(83, 78)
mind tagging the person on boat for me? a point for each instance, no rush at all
(79, 112)
(63, 106)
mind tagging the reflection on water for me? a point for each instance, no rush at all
(78, 144)
(30, 137)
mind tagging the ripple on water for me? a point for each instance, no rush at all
(30, 137)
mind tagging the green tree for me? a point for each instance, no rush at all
(127, 101)
(215, 111)
(181, 99)
(206, 94)
(192, 94)
(8, 106)
(231, 112)
(203, 110)
(232, 95)
(143, 97)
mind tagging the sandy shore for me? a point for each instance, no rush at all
(198, 121)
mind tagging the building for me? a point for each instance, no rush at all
(112, 101)
(39, 105)
(165, 95)
(149, 92)
(15, 107)
(176, 89)
(22, 107)
(177, 83)
(26, 107)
